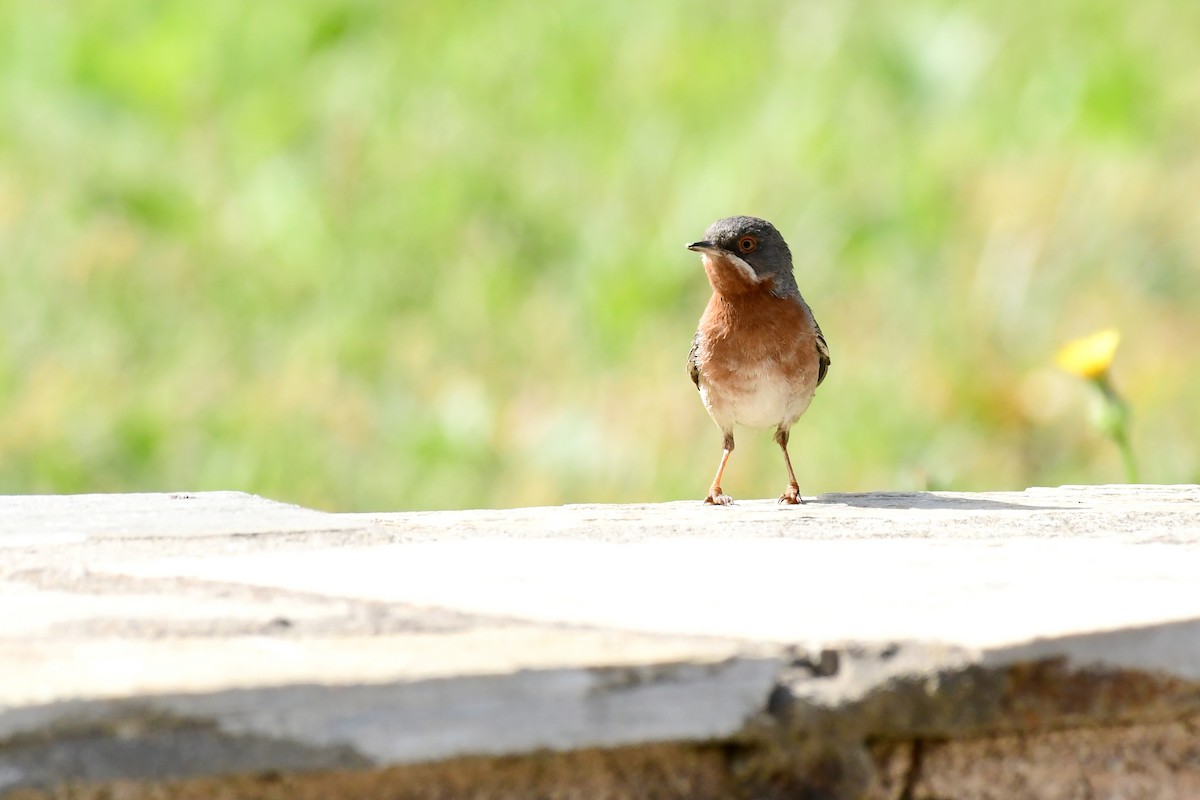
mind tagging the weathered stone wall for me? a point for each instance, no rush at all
(1040, 644)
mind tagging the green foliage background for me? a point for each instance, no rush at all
(413, 255)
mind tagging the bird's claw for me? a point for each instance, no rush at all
(716, 498)
(791, 497)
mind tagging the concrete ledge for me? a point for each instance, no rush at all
(877, 645)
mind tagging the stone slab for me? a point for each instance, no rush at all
(40, 520)
(377, 639)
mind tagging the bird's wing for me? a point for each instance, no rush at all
(822, 354)
(693, 365)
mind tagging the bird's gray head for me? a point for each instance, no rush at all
(754, 243)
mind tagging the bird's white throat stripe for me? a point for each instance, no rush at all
(747, 271)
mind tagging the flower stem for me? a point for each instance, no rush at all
(1116, 424)
(1131, 473)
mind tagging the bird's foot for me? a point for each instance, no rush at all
(716, 498)
(791, 496)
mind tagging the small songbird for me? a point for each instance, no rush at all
(758, 354)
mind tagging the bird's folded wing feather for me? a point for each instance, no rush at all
(692, 365)
(822, 354)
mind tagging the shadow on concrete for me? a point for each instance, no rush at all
(926, 501)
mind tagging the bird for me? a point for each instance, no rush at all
(758, 355)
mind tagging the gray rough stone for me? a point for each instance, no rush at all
(149, 636)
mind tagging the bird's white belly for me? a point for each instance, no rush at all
(768, 399)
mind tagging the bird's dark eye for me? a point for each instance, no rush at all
(746, 244)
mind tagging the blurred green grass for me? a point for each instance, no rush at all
(399, 255)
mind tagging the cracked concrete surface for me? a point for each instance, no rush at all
(847, 646)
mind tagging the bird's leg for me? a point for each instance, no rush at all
(715, 495)
(792, 495)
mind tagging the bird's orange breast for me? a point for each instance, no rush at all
(757, 357)
(743, 331)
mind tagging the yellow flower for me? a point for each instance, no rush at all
(1091, 356)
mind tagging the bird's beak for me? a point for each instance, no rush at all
(700, 247)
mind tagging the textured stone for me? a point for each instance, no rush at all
(651, 772)
(843, 647)
(1135, 762)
